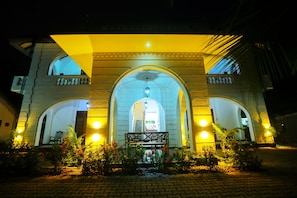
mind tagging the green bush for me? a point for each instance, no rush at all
(18, 159)
(182, 158)
(245, 157)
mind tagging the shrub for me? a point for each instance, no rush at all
(245, 157)
(182, 158)
(21, 159)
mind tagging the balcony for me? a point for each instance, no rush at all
(219, 79)
(73, 80)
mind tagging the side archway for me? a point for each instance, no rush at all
(58, 117)
(230, 114)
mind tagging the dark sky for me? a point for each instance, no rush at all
(38, 19)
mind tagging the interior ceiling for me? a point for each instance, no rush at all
(82, 46)
(143, 78)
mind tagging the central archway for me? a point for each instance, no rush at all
(168, 98)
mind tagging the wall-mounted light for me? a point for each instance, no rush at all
(96, 137)
(96, 125)
(268, 134)
(203, 123)
(20, 130)
(87, 105)
(204, 135)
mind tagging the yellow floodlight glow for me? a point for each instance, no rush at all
(96, 137)
(204, 135)
(268, 134)
(148, 44)
(97, 125)
(20, 130)
(203, 123)
(18, 139)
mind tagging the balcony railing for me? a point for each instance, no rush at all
(73, 80)
(147, 138)
(219, 79)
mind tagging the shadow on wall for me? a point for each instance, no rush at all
(286, 126)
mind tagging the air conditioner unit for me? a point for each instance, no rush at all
(18, 84)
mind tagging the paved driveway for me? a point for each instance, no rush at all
(279, 179)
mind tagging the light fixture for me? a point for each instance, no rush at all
(145, 104)
(96, 137)
(204, 135)
(147, 89)
(147, 92)
(96, 125)
(203, 123)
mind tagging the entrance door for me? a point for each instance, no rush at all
(81, 122)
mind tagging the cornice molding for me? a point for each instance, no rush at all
(147, 55)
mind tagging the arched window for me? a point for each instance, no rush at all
(64, 66)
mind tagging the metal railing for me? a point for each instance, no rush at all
(73, 80)
(219, 79)
(147, 138)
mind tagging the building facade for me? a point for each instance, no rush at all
(97, 83)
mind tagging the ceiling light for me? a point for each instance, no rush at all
(147, 89)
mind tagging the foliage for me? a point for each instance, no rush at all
(132, 155)
(100, 160)
(104, 159)
(182, 159)
(235, 153)
(225, 136)
(20, 159)
(159, 158)
(55, 156)
(72, 149)
(245, 157)
(208, 158)
(110, 154)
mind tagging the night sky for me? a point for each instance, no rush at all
(39, 19)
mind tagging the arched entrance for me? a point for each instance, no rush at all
(58, 117)
(132, 110)
(147, 115)
(229, 114)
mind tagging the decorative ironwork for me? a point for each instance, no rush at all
(147, 138)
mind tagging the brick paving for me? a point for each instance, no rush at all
(278, 179)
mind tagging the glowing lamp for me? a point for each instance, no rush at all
(96, 137)
(96, 125)
(203, 123)
(204, 135)
(268, 134)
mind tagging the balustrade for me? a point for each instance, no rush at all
(73, 80)
(219, 79)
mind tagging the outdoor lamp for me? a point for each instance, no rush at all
(204, 135)
(96, 125)
(96, 137)
(203, 123)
